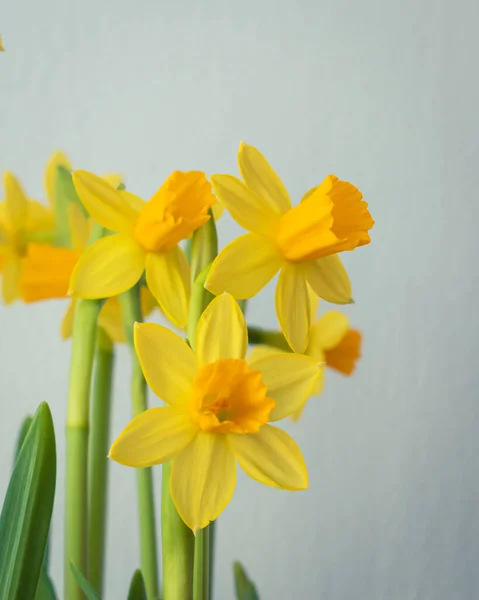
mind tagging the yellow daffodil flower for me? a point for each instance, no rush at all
(301, 242)
(2, 49)
(217, 413)
(332, 343)
(19, 217)
(148, 239)
(46, 275)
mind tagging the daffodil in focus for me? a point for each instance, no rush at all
(147, 239)
(302, 242)
(219, 406)
(20, 217)
(332, 343)
(46, 275)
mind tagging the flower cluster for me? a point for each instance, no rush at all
(97, 240)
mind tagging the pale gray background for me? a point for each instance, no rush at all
(384, 94)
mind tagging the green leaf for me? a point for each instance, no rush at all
(86, 587)
(245, 588)
(27, 510)
(65, 194)
(137, 588)
(45, 590)
(22, 434)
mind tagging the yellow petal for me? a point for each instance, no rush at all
(244, 267)
(168, 363)
(39, 217)
(293, 306)
(221, 331)
(15, 201)
(249, 210)
(261, 179)
(11, 279)
(136, 203)
(107, 268)
(217, 209)
(66, 329)
(203, 479)
(327, 332)
(260, 351)
(105, 204)
(290, 380)
(317, 389)
(58, 159)
(79, 227)
(271, 457)
(153, 438)
(329, 280)
(114, 179)
(2, 49)
(110, 320)
(168, 277)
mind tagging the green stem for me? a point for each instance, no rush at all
(178, 546)
(201, 579)
(76, 493)
(269, 338)
(98, 462)
(131, 311)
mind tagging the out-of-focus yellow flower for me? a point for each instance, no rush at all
(148, 239)
(332, 343)
(46, 275)
(19, 217)
(2, 49)
(301, 242)
(219, 406)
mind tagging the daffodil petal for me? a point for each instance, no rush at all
(271, 457)
(79, 226)
(290, 379)
(293, 306)
(11, 279)
(58, 159)
(259, 176)
(221, 331)
(137, 203)
(168, 277)
(66, 328)
(249, 210)
(39, 217)
(15, 201)
(168, 363)
(105, 204)
(244, 266)
(203, 479)
(260, 351)
(153, 438)
(107, 268)
(110, 320)
(329, 279)
(327, 332)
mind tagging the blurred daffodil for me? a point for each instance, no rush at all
(332, 343)
(2, 49)
(19, 219)
(217, 413)
(46, 275)
(147, 238)
(302, 242)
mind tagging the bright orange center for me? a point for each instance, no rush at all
(331, 219)
(229, 398)
(178, 208)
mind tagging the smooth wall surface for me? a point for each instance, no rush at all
(383, 94)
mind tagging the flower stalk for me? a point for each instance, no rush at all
(98, 462)
(131, 311)
(77, 430)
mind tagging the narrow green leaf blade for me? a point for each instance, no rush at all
(22, 434)
(45, 590)
(137, 587)
(86, 587)
(245, 588)
(27, 510)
